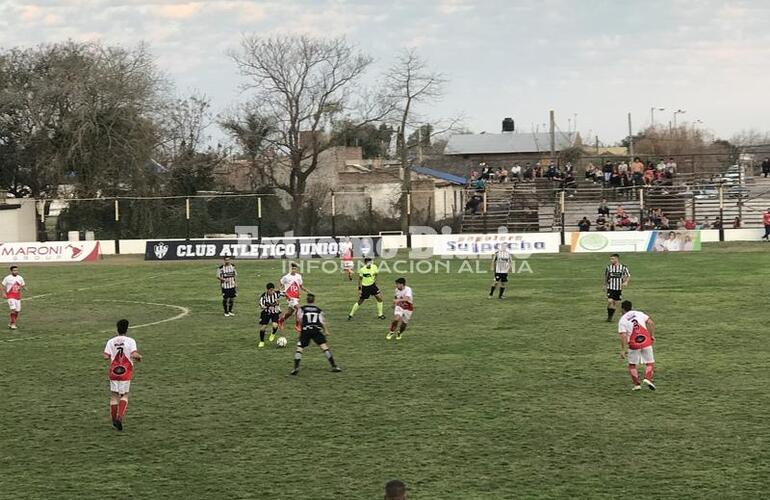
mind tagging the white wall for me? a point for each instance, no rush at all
(394, 242)
(18, 224)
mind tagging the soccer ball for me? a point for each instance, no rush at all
(281, 342)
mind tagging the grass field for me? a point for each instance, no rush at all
(525, 398)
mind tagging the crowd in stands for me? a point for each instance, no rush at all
(623, 175)
(651, 219)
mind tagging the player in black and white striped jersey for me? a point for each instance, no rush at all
(616, 277)
(271, 311)
(226, 274)
(501, 266)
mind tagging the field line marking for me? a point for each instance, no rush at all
(184, 311)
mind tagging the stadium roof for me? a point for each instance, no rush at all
(511, 142)
(454, 179)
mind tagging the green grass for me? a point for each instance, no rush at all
(525, 398)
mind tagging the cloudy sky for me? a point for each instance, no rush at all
(595, 60)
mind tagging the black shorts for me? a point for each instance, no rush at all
(369, 291)
(615, 294)
(228, 293)
(265, 318)
(501, 277)
(314, 334)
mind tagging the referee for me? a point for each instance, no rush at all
(226, 274)
(367, 287)
(616, 278)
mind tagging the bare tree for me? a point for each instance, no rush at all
(301, 86)
(411, 83)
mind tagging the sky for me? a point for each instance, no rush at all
(591, 61)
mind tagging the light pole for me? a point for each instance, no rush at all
(678, 112)
(652, 114)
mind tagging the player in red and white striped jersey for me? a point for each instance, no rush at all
(121, 352)
(291, 285)
(403, 309)
(12, 286)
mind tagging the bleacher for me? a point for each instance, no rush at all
(535, 205)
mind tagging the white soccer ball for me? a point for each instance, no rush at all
(281, 342)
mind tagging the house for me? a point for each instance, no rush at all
(361, 186)
(466, 151)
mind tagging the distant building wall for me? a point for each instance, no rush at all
(18, 223)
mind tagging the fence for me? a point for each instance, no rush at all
(260, 214)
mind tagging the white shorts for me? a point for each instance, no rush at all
(404, 314)
(640, 356)
(120, 386)
(292, 301)
(347, 264)
(14, 304)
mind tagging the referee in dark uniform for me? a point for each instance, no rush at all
(616, 277)
(226, 275)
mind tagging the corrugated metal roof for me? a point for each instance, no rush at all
(474, 144)
(454, 179)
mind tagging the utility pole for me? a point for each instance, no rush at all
(630, 137)
(553, 137)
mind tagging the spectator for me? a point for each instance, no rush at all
(649, 176)
(516, 172)
(502, 175)
(473, 204)
(705, 224)
(615, 179)
(570, 183)
(529, 173)
(486, 170)
(737, 223)
(607, 172)
(661, 166)
(690, 224)
(671, 166)
(664, 223)
(766, 167)
(551, 172)
(622, 168)
(601, 223)
(570, 169)
(591, 173)
(584, 224)
(637, 172)
(680, 223)
(603, 208)
(625, 184)
(717, 223)
(620, 212)
(395, 490)
(633, 223)
(648, 224)
(474, 175)
(766, 222)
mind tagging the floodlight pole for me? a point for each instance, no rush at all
(561, 209)
(259, 220)
(117, 227)
(721, 211)
(187, 217)
(334, 215)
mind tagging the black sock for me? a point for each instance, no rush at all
(329, 356)
(502, 291)
(275, 329)
(610, 313)
(492, 290)
(261, 335)
(230, 303)
(297, 359)
(224, 305)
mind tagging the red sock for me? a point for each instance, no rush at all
(14, 315)
(122, 405)
(113, 411)
(634, 374)
(648, 371)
